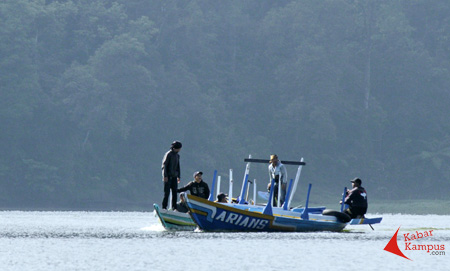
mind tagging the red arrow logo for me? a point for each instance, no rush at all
(392, 246)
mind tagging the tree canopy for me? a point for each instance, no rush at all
(94, 92)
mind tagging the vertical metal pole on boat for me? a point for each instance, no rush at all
(247, 189)
(244, 183)
(344, 195)
(244, 191)
(211, 193)
(254, 192)
(218, 185)
(268, 208)
(305, 214)
(288, 194)
(279, 191)
(297, 177)
(230, 191)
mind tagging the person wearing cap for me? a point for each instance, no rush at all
(278, 172)
(222, 197)
(171, 173)
(197, 187)
(356, 200)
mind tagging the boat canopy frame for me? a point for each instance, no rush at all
(292, 186)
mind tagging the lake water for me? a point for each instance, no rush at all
(136, 241)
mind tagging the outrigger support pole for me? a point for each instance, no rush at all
(304, 214)
(249, 182)
(244, 183)
(211, 194)
(279, 193)
(297, 177)
(244, 191)
(268, 209)
(230, 190)
(219, 178)
(254, 191)
(343, 199)
(286, 203)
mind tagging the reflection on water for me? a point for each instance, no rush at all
(136, 241)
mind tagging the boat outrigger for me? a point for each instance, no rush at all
(214, 216)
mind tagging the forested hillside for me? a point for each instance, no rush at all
(93, 92)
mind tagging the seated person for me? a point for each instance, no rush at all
(182, 205)
(356, 200)
(222, 197)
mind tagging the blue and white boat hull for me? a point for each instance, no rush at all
(213, 216)
(172, 220)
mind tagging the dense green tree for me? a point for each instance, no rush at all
(93, 93)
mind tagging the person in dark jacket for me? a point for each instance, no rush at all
(356, 200)
(171, 173)
(197, 187)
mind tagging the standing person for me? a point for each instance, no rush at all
(278, 172)
(356, 200)
(171, 173)
(197, 187)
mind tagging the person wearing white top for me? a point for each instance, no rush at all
(278, 172)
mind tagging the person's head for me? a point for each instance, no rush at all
(182, 198)
(198, 176)
(273, 159)
(176, 146)
(356, 182)
(222, 197)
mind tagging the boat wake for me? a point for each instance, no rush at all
(155, 227)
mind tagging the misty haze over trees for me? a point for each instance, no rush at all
(94, 92)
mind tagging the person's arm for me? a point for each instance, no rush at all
(270, 174)
(165, 163)
(185, 188)
(349, 198)
(178, 168)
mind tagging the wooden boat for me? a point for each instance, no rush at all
(214, 216)
(172, 220)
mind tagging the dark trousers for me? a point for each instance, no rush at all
(356, 212)
(171, 184)
(275, 195)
